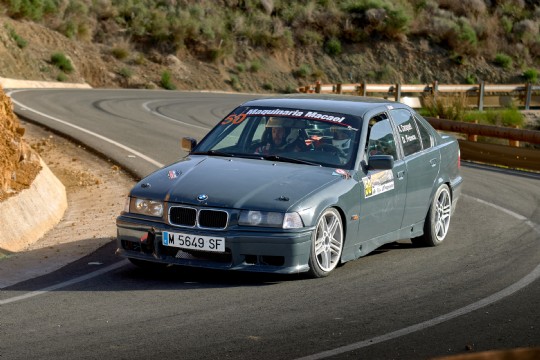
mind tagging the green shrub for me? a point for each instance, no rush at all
(214, 54)
(458, 58)
(511, 117)
(289, 89)
(30, 9)
(62, 62)
(303, 71)
(240, 68)
(333, 47)
(503, 61)
(395, 22)
(120, 52)
(234, 81)
(310, 38)
(446, 107)
(166, 81)
(504, 117)
(268, 86)
(531, 75)
(507, 24)
(471, 79)
(125, 72)
(21, 43)
(467, 33)
(255, 66)
(69, 29)
(61, 77)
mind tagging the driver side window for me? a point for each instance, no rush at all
(381, 137)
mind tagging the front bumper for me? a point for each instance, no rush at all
(456, 187)
(247, 250)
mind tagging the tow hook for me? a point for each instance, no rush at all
(148, 242)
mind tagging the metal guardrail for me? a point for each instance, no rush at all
(479, 91)
(512, 134)
(512, 156)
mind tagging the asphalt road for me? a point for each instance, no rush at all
(478, 291)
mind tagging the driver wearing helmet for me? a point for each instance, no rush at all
(279, 137)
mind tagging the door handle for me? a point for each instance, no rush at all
(400, 174)
(433, 162)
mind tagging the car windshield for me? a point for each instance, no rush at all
(290, 135)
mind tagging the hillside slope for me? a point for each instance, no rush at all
(249, 69)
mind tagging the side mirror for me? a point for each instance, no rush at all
(380, 162)
(188, 144)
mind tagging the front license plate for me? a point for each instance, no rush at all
(194, 242)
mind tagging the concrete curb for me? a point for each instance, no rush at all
(26, 217)
(30, 84)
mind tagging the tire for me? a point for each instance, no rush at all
(326, 244)
(437, 219)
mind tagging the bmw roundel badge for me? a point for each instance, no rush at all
(202, 197)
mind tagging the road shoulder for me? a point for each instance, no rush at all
(96, 191)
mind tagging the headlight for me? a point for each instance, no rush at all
(146, 207)
(270, 219)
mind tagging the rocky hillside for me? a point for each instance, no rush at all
(19, 164)
(269, 45)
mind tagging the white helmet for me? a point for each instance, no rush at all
(342, 144)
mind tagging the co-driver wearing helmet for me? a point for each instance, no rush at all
(341, 139)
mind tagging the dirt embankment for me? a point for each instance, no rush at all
(19, 164)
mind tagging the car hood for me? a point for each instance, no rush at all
(235, 183)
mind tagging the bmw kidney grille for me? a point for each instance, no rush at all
(201, 218)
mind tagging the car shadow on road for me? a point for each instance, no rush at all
(128, 276)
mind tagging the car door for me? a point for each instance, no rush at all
(422, 162)
(383, 200)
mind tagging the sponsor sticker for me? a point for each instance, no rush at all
(343, 173)
(378, 182)
(173, 174)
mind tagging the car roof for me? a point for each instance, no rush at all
(345, 104)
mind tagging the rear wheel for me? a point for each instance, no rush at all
(437, 219)
(326, 244)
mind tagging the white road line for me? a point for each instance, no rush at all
(101, 137)
(528, 279)
(176, 121)
(65, 283)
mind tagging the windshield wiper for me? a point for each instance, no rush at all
(288, 159)
(213, 152)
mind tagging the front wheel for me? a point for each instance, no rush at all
(437, 219)
(326, 244)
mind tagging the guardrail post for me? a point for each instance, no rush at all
(481, 89)
(473, 138)
(363, 88)
(318, 87)
(338, 88)
(435, 89)
(397, 92)
(528, 96)
(513, 143)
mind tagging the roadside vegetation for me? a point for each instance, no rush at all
(217, 28)
(457, 108)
